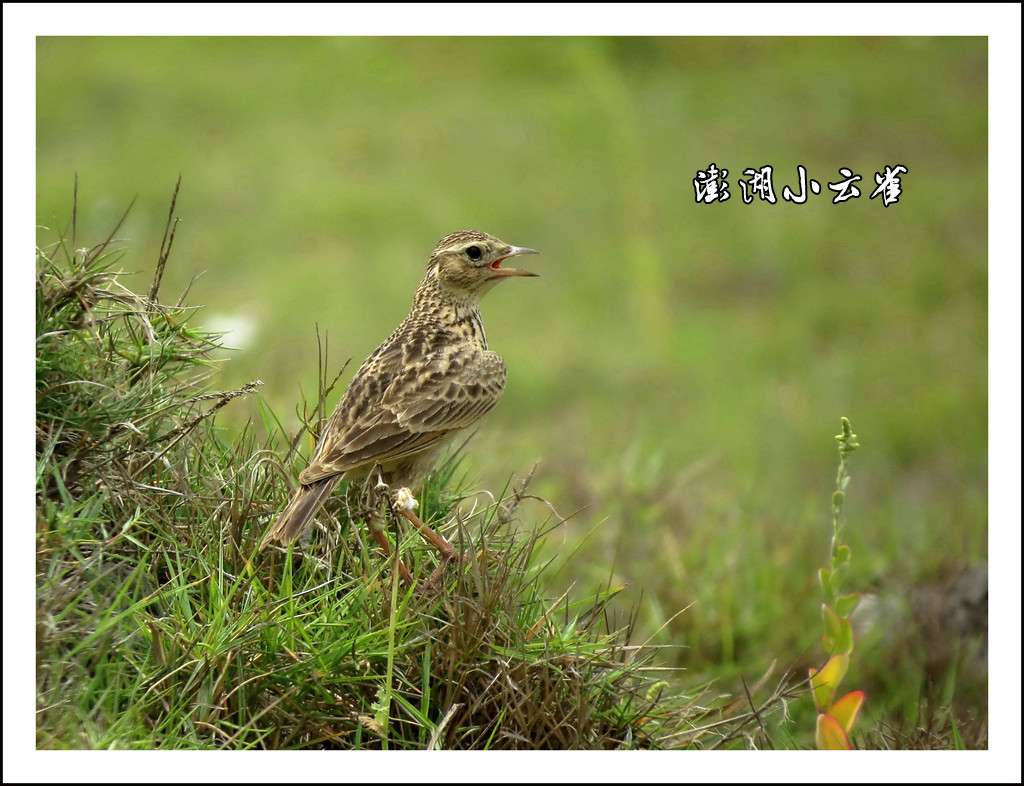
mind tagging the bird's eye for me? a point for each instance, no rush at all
(474, 252)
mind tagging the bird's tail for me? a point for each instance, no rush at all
(300, 511)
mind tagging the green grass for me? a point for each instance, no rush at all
(679, 369)
(161, 624)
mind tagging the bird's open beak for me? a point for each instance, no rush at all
(497, 271)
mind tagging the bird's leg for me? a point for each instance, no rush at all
(375, 523)
(405, 503)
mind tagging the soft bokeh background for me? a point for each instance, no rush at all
(680, 369)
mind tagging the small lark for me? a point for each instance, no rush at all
(432, 378)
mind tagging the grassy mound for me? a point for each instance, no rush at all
(160, 624)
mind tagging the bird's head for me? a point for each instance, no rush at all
(467, 264)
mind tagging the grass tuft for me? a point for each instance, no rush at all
(161, 625)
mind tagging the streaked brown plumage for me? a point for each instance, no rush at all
(433, 377)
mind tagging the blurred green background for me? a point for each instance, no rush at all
(680, 369)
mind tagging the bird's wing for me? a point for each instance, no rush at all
(420, 409)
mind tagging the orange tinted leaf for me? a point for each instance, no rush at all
(845, 710)
(825, 682)
(829, 735)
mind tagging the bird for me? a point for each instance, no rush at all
(432, 378)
